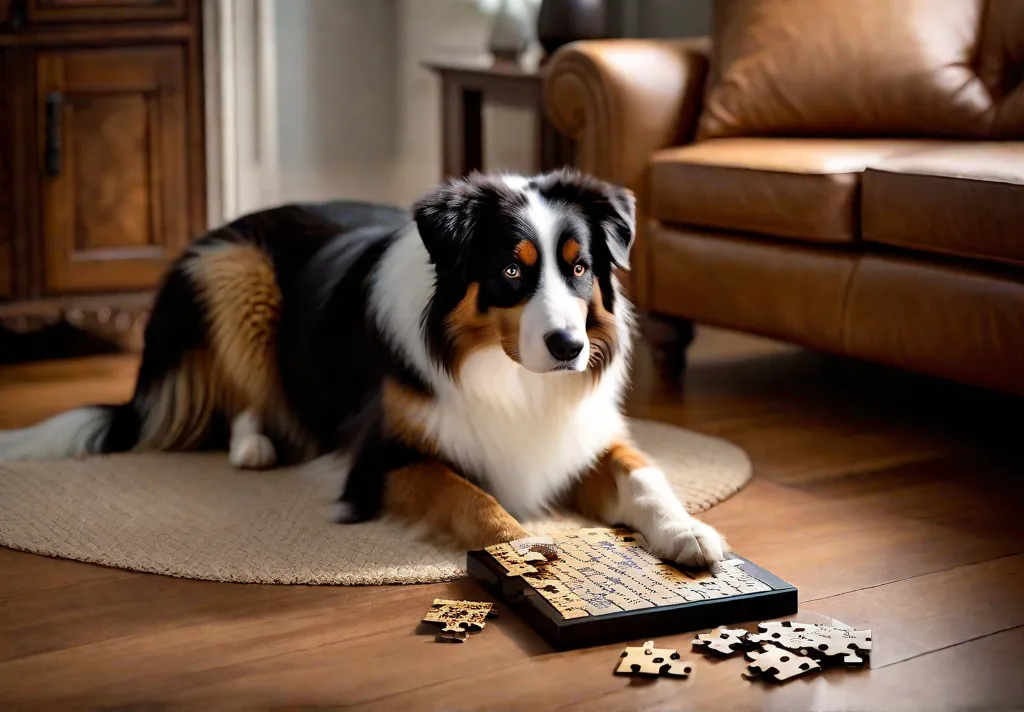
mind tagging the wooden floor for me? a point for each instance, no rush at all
(892, 502)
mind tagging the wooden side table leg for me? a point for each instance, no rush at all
(463, 131)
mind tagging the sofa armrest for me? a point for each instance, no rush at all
(623, 99)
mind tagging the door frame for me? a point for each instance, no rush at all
(241, 121)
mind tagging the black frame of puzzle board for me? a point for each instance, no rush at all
(643, 624)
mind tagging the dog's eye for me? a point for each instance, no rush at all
(512, 271)
(579, 270)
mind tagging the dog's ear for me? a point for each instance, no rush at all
(610, 209)
(446, 219)
(618, 218)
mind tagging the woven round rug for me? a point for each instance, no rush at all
(192, 515)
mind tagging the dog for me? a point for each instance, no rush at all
(469, 357)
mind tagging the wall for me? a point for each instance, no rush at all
(672, 18)
(359, 116)
(429, 29)
(337, 70)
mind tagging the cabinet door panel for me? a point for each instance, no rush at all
(114, 166)
(104, 10)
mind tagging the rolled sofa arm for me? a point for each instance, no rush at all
(623, 99)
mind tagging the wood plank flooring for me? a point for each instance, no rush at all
(892, 501)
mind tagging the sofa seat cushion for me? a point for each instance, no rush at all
(805, 189)
(965, 200)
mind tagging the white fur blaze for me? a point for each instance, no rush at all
(71, 434)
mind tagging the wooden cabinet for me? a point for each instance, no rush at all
(114, 184)
(6, 214)
(102, 164)
(104, 10)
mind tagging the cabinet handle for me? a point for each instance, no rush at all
(54, 147)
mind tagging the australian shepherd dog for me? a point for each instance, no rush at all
(469, 358)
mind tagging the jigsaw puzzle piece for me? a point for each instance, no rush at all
(648, 660)
(851, 645)
(532, 547)
(678, 669)
(458, 617)
(510, 560)
(779, 664)
(724, 641)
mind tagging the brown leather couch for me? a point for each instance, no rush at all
(844, 175)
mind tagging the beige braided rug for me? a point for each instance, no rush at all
(192, 515)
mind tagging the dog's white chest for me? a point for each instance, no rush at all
(522, 436)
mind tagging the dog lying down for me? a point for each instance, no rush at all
(469, 359)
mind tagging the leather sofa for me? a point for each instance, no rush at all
(848, 176)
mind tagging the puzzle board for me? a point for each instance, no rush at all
(601, 575)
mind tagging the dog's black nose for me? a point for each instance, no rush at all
(563, 345)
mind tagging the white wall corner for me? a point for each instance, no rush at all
(240, 74)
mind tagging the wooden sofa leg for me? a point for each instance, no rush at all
(669, 338)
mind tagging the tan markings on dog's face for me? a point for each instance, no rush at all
(526, 252)
(601, 332)
(570, 251)
(507, 322)
(470, 329)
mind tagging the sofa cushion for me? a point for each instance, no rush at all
(1001, 66)
(965, 200)
(804, 189)
(846, 68)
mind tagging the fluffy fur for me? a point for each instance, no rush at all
(468, 361)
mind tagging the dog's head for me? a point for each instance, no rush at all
(526, 262)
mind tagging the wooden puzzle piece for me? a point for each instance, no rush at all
(822, 641)
(510, 560)
(724, 641)
(565, 601)
(648, 660)
(533, 546)
(678, 669)
(458, 616)
(778, 663)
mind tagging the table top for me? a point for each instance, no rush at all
(484, 65)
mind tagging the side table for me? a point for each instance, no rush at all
(465, 85)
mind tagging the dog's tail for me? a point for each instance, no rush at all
(74, 433)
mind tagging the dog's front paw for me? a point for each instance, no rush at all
(486, 526)
(686, 541)
(252, 451)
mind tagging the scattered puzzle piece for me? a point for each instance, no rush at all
(648, 660)
(724, 641)
(678, 669)
(823, 641)
(779, 664)
(458, 616)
